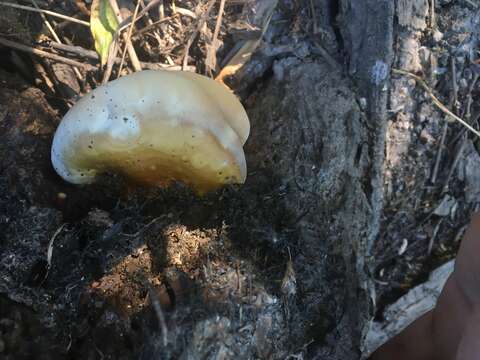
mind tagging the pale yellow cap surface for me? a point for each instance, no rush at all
(155, 127)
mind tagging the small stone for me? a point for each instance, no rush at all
(278, 71)
(467, 74)
(440, 70)
(363, 103)
(437, 36)
(460, 59)
(426, 137)
(403, 247)
(463, 83)
(446, 206)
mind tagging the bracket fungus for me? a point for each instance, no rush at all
(155, 127)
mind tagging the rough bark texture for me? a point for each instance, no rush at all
(367, 30)
(310, 132)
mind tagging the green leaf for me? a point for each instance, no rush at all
(103, 24)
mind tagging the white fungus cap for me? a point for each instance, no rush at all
(155, 127)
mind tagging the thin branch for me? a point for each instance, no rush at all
(50, 245)
(78, 50)
(147, 28)
(54, 34)
(131, 50)
(161, 10)
(200, 24)
(324, 53)
(211, 55)
(456, 159)
(145, 227)
(48, 12)
(432, 14)
(46, 22)
(464, 137)
(454, 99)
(92, 55)
(439, 153)
(50, 250)
(434, 235)
(41, 53)
(150, 22)
(128, 38)
(468, 110)
(125, 23)
(185, 12)
(160, 316)
(454, 84)
(435, 100)
(218, 23)
(112, 54)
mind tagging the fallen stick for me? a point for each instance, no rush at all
(45, 54)
(48, 12)
(435, 100)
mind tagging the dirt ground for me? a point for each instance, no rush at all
(337, 218)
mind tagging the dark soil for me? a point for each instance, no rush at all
(227, 256)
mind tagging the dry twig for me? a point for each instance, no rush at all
(151, 26)
(131, 51)
(456, 159)
(185, 12)
(41, 53)
(246, 48)
(200, 24)
(161, 10)
(48, 12)
(219, 21)
(50, 250)
(128, 21)
(128, 38)
(112, 54)
(434, 236)
(54, 34)
(90, 54)
(464, 137)
(324, 53)
(150, 22)
(432, 14)
(158, 311)
(445, 126)
(435, 100)
(50, 245)
(439, 153)
(454, 84)
(46, 22)
(211, 60)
